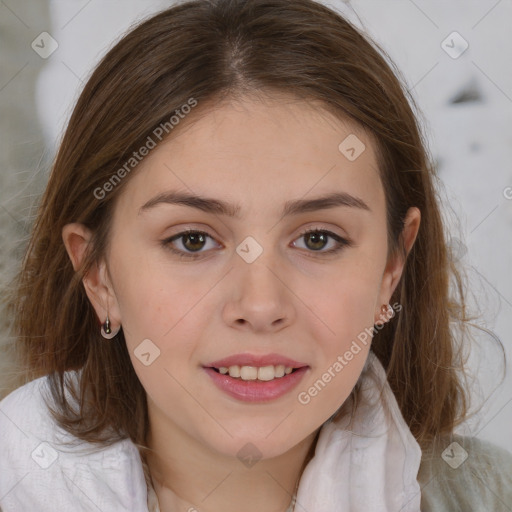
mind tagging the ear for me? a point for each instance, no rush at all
(395, 265)
(96, 282)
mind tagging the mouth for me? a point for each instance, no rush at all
(264, 367)
(256, 384)
(250, 377)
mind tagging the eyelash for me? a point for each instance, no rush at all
(342, 242)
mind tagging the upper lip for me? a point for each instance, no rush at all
(255, 360)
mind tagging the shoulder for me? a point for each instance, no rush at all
(24, 415)
(465, 473)
(44, 468)
(21, 412)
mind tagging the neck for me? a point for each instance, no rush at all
(189, 476)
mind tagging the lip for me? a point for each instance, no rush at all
(255, 390)
(255, 360)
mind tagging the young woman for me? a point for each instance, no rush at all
(236, 294)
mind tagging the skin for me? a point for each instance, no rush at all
(294, 299)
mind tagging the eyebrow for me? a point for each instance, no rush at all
(219, 207)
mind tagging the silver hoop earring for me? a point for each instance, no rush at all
(106, 330)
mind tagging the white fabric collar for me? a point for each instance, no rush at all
(372, 467)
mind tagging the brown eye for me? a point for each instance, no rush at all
(196, 241)
(191, 242)
(317, 239)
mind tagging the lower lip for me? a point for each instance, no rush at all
(256, 390)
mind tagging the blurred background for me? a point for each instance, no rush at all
(453, 57)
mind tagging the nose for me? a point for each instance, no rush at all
(259, 295)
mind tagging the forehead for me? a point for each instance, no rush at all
(261, 152)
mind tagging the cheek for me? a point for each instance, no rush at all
(342, 330)
(344, 301)
(152, 299)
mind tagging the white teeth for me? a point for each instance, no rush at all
(234, 371)
(279, 371)
(248, 373)
(264, 373)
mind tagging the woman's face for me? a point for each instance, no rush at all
(251, 284)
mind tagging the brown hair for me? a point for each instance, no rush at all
(210, 50)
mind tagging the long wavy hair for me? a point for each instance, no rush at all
(209, 51)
